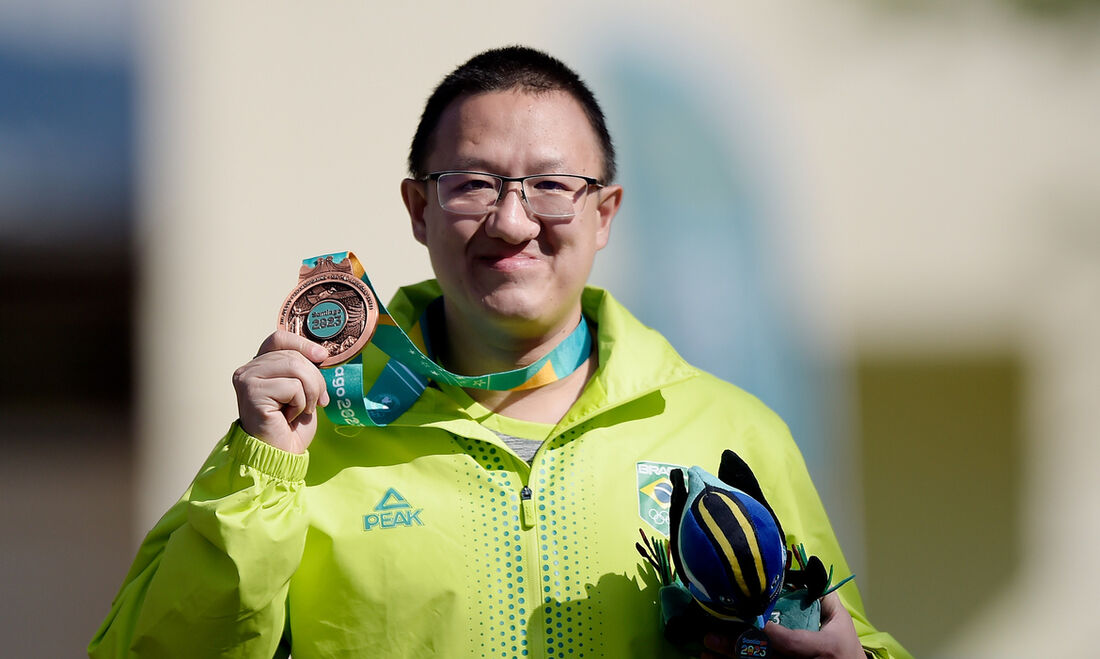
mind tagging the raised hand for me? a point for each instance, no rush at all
(279, 390)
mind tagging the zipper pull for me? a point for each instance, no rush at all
(527, 508)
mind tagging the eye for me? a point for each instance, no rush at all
(556, 184)
(466, 184)
(475, 184)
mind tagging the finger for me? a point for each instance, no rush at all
(830, 608)
(278, 394)
(304, 418)
(313, 383)
(284, 340)
(262, 409)
(835, 618)
(250, 380)
(280, 364)
(719, 643)
(316, 389)
(290, 364)
(296, 405)
(793, 642)
(837, 636)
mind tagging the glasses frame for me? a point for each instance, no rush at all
(434, 176)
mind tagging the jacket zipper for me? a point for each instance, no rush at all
(527, 507)
(529, 519)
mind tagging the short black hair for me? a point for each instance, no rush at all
(503, 69)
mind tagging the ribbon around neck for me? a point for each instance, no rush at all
(408, 369)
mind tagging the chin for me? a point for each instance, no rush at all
(505, 307)
(517, 306)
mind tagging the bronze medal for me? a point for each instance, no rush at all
(333, 307)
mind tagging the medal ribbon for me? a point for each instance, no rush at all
(407, 371)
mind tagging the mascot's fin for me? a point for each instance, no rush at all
(817, 580)
(733, 471)
(675, 514)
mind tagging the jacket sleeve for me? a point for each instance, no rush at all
(211, 577)
(798, 505)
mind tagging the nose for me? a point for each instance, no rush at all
(510, 221)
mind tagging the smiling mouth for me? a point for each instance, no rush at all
(508, 261)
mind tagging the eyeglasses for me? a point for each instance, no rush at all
(552, 196)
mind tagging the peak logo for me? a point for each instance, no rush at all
(391, 512)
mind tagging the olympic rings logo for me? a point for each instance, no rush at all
(659, 518)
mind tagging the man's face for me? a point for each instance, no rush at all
(509, 267)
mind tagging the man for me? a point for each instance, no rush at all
(480, 522)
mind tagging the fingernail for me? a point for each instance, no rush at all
(324, 399)
(319, 353)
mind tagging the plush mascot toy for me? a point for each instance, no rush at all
(726, 568)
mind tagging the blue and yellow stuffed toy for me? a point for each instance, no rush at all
(726, 567)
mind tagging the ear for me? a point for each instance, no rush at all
(415, 195)
(610, 198)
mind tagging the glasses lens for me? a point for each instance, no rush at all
(468, 193)
(555, 196)
(558, 196)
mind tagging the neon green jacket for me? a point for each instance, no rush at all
(430, 538)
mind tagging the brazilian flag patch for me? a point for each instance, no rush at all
(655, 494)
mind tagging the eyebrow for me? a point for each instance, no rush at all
(541, 167)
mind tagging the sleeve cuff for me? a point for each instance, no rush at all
(249, 451)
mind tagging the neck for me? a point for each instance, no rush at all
(485, 348)
(476, 346)
(545, 404)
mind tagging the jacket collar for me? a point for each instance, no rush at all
(634, 360)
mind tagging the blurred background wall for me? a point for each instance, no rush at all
(882, 218)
